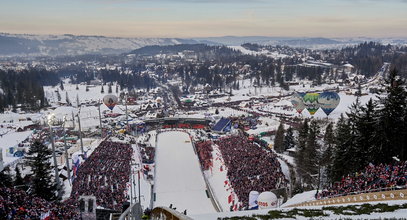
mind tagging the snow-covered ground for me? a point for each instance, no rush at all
(179, 180)
(145, 184)
(218, 180)
(11, 139)
(94, 93)
(257, 53)
(398, 214)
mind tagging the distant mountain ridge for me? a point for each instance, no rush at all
(55, 45)
(307, 42)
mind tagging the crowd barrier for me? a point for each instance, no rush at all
(359, 197)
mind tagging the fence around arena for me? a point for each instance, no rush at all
(383, 194)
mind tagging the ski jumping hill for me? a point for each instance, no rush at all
(179, 180)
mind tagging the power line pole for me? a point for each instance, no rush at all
(80, 132)
(50, 119)
(66, 154)
(73, 120)
(139, 194)
(100, 121)
(131, 186)
(127, 115)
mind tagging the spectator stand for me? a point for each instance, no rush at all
(17, 204)
(373, 177)
(105, 175)
(377, 195)
(248, 168)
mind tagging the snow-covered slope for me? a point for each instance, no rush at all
(179, 180)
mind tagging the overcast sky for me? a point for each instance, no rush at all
(203, 18)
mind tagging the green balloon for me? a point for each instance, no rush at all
(311, 102)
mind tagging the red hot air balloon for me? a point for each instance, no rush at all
(110, 101)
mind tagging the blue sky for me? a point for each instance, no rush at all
(203, 18)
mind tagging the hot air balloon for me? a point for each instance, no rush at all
(328, 101)
(110, 101)
(311, 102)
(298, 102)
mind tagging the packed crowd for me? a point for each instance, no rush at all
(250, 167)
(204, 149)
(373, 177)
(147, 153)
(105, 175)
(17, 204)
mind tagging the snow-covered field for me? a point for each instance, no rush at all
(94, 93)
(217, 177)
(345, 102)
(179, 180)
(11, 139)
(256, 53)
(398, 214)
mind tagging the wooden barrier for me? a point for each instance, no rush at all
(358, 198)
(167, 214)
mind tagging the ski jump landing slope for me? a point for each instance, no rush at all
(179, 180)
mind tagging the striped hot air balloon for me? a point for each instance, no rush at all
(110, 101)
(298, 102)
(311, 102)
(328, 101)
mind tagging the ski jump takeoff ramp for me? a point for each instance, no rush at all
(178, 179)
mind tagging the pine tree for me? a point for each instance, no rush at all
(300, 150)
(390, 137)
(58, 95)
(327, 154)
(329, 144)
(359, 92)
(68, 101)
(279, 139)
(289, 141)
(341, 158)
(5, 178)
(312, 147)
(38, 159)
(102, 90)
(353, 151)
(366, 129)
(109, 90)
(61, 85)
(302, 140)
(19, 179)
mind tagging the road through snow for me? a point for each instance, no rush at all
(179, 180)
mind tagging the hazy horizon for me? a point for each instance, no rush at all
(199, 37)
(206, 18)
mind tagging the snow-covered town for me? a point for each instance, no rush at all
(201, 151)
